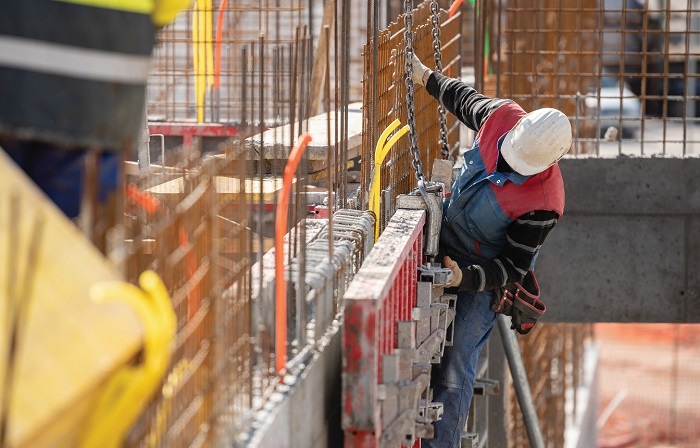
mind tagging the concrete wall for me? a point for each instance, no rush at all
(307, 413)
(628, 247)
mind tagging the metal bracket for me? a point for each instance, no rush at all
(469, 440)
(400, 431)
(430, 347)
(406, 392)
(428, 412)
(486, 386)
(435, 274)
(451, 301)
(406, 386)
(440, 324)
(402, 399)
(431, 203)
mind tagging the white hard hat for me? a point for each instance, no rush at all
(537, 141)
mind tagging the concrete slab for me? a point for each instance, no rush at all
(276, 144)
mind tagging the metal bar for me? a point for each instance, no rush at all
(330, 152)
(521, 384)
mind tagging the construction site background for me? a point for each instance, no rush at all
(557, 63)
(649, 391)
(231, 90)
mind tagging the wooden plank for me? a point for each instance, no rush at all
(318, 71)
(69, 344)
(228, 189)
(275, 142)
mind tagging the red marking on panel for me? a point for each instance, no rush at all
(193, 129)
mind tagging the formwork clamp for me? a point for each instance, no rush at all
(486, 386)
(427, 196)
(435, 274)
(399, 395)
(428, 412)
(435, 311)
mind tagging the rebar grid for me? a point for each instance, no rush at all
(170, 221)
(634, 69)
(202, 226)
(397, 172)
(553, 357)
(203, 230)
(207, 65)
(207, 226)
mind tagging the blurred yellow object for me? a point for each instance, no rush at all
(162, 11)
(202, 52)
(380, 152)
(129, 389)
(68, 345)
(165, 11)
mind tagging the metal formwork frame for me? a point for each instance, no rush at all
(383, 292)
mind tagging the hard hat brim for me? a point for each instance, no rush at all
(508, 153)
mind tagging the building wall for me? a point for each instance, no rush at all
(628, 247)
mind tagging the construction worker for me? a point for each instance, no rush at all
(72, 82)
(506, 200)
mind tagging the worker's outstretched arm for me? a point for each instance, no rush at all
(524, 238)
(462, 100)
(459, 98)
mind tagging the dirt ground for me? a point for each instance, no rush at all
(649, 376)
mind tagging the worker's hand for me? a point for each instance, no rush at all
(420, 71)
(456, 272)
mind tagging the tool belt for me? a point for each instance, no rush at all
(522, 302)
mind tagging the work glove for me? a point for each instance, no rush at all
(420, 71)
(521, 301)
(456, 271)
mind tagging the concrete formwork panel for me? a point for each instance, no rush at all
(628, 247)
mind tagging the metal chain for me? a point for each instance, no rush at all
(413, 138)
(437, 50)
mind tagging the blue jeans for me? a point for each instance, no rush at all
(453, 382)
(58, 171)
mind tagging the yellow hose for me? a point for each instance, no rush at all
(199, 99)
(209, 41)
(380, 152)
(202, 52)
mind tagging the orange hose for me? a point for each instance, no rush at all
(280, 232)
(454, 7)
(147, 202)
(217, 40)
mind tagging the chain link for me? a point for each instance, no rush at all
(408, 36)
(437, 51)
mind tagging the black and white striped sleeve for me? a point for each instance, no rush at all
(524, 238)
(463, 101)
